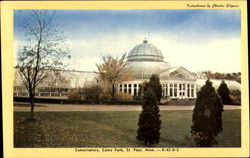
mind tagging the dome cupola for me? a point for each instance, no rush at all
(145, 52)
(145, 59)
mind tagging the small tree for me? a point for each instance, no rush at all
(92, 93)
(113, 71)
(149, 120)
(43, 52)
(224, 93)
(75, 95)
(235, 96)
(155, 85)
(207, 116)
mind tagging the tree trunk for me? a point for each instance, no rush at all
(113, 92)
(32, 104)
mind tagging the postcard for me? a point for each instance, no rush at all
(125, 79)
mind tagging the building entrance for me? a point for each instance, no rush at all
(182, 91)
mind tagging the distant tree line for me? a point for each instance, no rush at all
(236, 76)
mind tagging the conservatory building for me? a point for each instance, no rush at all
(144, 60)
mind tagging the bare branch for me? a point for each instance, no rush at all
(44, 50)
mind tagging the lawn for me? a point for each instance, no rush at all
(112, 129)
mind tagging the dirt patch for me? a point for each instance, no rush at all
(71, 107)
(23, 104)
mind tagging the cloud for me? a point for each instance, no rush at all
(187, 24)
(113, 44)
(221, 55)
(84, 63)
(196, 39)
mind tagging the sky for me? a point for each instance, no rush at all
(199, 40)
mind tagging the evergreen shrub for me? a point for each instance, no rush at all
(207, 116)
(149, 120)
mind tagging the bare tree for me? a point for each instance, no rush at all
(113, 71)
(43, 52)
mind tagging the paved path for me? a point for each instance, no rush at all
(70, 107)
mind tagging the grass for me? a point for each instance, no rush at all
(112, 129)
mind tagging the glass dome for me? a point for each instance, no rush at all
(145, 59)
(145, 52)
(144, 69)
